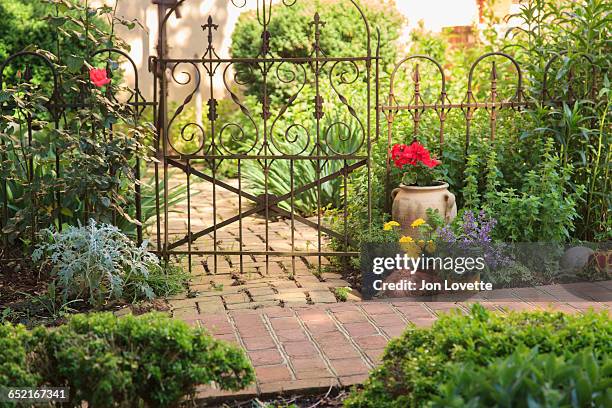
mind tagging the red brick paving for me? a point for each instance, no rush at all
(311, 348)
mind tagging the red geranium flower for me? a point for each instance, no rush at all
(413, 155)
(98, 77)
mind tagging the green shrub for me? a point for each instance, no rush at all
(576, 34)
(415, 364)
(14, 367)
(542, 209)
(529, 379)
(109, 361)
(28, 23)
(100, 263)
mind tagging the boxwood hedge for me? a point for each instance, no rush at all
(110, 361)
(416, 364)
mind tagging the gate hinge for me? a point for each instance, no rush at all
(265, 43)
(212, 109)
(318, 101)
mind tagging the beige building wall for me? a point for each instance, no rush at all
(186, 38)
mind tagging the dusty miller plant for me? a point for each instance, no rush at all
(99, 262)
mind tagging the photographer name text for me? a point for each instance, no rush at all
(407, 285)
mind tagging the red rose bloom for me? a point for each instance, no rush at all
(98, 77)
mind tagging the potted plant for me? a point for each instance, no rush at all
(421, 187)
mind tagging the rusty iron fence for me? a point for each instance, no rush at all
(490, 101)
(54, 111)
(310, 141)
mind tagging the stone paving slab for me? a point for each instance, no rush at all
(313, 347)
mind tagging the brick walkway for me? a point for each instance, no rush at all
(282, 281)
(310, 348)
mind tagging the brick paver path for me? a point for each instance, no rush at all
(282, 281)
(310, 348)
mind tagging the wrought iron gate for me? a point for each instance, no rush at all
(334, 147)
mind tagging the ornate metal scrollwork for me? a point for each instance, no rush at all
(185, 137)
(345, 79)
(243, 138)
(281, 146)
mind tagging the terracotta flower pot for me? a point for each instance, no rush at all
(412, 202)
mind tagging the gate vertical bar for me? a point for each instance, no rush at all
(240, 236)
(318, 115)
(153, 67)
(189, 243)
(162, 125)
(292, 208)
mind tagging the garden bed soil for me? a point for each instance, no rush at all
(19, 278)
(24, 290)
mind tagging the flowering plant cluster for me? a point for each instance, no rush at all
(473, 234)
(424, 241)
(418, 166)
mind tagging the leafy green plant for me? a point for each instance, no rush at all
(99, 263)
(416, 364)
(511, 275)
(568, 41)
(342, 293)
(129, 361)
(83, 165)
(543, 209)
(31, 24)
(14, 360)
(51, 303)
(528, 378)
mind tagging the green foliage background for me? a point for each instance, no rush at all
(292, 36)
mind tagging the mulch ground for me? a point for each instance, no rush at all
(19, 278)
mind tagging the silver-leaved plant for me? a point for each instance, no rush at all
(99, 263)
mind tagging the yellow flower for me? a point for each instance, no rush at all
(409, 246)
(412, 250)
(421, 243)
(431, 246)
(418, 222)
(389, 225)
